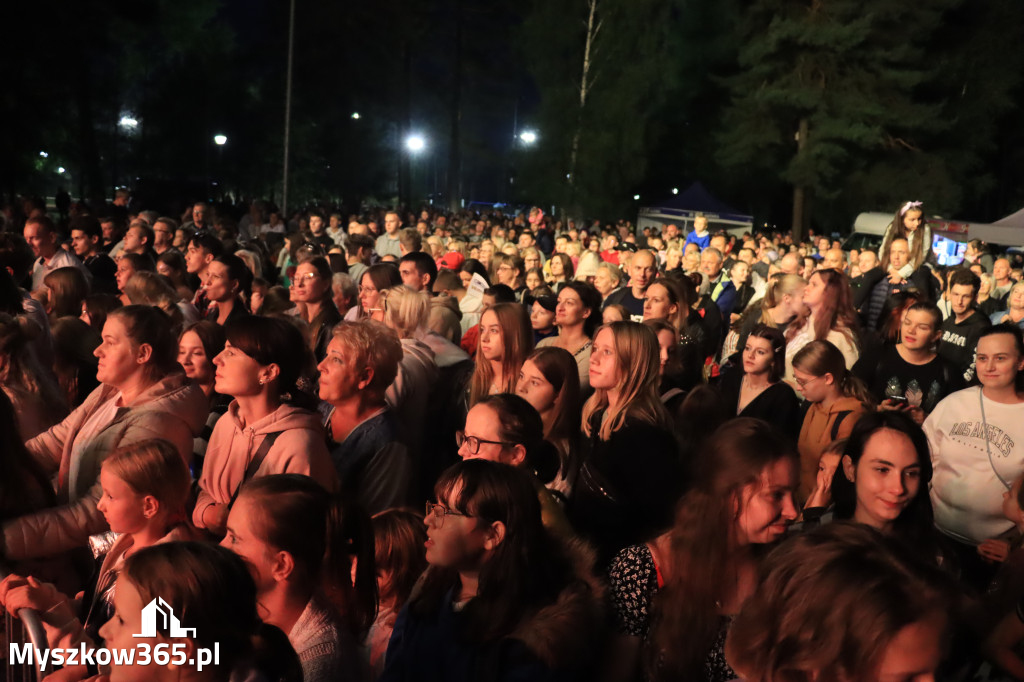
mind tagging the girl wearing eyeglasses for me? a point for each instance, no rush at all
(837, 400)
(501, 598)
(311, 290)
(506, 428)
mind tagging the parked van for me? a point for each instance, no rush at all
(949, 238)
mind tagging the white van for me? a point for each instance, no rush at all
(949, 238)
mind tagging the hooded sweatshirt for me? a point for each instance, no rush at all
(816, 434)
(173, 409)
(300, 448)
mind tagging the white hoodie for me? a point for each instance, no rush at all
(966, 490)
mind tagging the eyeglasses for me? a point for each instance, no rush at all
(805, 383)
(439, 511)
(304, 279)
(473, 443)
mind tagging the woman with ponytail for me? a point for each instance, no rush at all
(781, 304)
(837, 400)
(269, 427)
(312, 557)
(506, 428)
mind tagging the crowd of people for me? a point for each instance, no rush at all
(646, 454)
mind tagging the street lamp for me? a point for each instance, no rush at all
(415, 143)
(636, 197)
(220, 140)
(355, 115)
(675, 190)
(528, 137)
(128, 123)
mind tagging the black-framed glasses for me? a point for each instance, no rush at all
(473, 443)
(439, 511)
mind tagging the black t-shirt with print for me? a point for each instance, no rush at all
(887, 374)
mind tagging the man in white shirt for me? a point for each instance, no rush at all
(41, 236)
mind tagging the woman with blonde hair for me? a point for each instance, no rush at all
(630, 476)
(781, 304)
(66, 289)
(506, 338)
(149, 288)
(829, 316)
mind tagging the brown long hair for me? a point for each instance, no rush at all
(837, 310)
(638, 355)
(517, 337)
(684, 615)
(897, 230)
(822, 357)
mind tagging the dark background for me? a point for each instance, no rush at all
(898, 102)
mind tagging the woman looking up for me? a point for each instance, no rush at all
(631, 476)
(506, 338)
(830, 317)
(577, 316)
(268, 428)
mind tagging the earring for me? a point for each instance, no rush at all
(261, 382)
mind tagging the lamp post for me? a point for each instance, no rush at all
(416, 145)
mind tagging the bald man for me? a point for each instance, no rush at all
(834, 259)
(642, 271)
(791, 264)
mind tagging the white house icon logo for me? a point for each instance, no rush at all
(159, 609)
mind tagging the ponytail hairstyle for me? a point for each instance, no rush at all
(239, 273)
(324, 536)
(778, 286)
(212, 593)
(638, 355)
(519, 423)
(837, 310)
(405, 310)
(154, 467)
(822, 357)
(151, 326)
(149, 288)
(383, 276)
(517, 337)
(269, 340)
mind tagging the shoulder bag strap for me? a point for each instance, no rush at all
(255, 463)
(840, 416)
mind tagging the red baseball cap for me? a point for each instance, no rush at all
(452, 260)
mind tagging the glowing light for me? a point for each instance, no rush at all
(528, 136)
(60, 169)
(355, 115)
(675, 190)
(128, 123)
(636, 197)
(220, 140)
(43, 154)
(415, 143)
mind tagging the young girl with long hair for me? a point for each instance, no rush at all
(909, 223)
(673, 597)
(376, 279)
(837, 399)
(502, 598)
(830, 316)
(630, 476)
(506, 338)
(549, 382)
(311, 556)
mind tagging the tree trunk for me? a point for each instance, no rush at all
(800, 197)
(586, 80)
(455, 142)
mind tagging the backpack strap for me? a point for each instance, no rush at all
(840, 416)
(255, 463)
